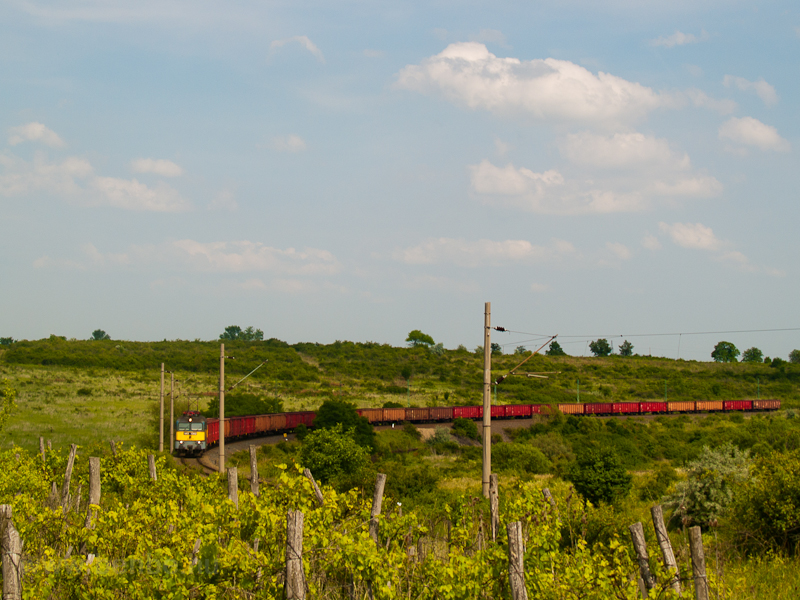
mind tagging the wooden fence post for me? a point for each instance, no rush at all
(11, 547)
(698, 563)
(151, 462)
(233, 485)
(640, 546)
(494, 505)
(253, 471)
(113, 447)
(317, 491)
(295, 586)
(666, 547)
(41, 449)
(195, 552)
(516, 561)
(68, 476)
(94, 489)
(377, 500)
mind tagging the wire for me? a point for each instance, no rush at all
(683, 333)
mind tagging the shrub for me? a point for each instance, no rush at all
(519, 458)
(599, 477)
(466, 428)
(410, 429)
(334, 457)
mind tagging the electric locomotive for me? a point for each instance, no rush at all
(190, 434)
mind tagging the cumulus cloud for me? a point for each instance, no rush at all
(651, 242)
(34, 132)
(130, 194)
(620, 251)
(289, 143)
(679, 39)
(467, 73)
(466, 253)
(752, 132)
(762, 89)
(691, 235)
(303, 41)
(623, 172)
(163, 167)
(702, 100)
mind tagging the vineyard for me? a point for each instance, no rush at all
(180, 535)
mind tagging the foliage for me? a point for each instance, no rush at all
(496, 348)
(725, 352)
(392, 404)
(708, 490)
(411, 430)
(520, 350)
(6, 341)
(657, 483)
(466, 428)
(334, 457)
(794, 357)
(438, 349)
(752, 355)
(766, 508)
(7, 403)
(600, 347)
(240, 404)
(519, 458)
(234, 332)
(339, 412)
(598, 476)
(555, 349)
(99, 334)
(626, 348)
(417, 338)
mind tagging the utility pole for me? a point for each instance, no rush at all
(161, 413)
(171, 411)
(222, 408)
(487, 399)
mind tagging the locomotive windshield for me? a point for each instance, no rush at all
(190, 426)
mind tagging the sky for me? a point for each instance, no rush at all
(354, 170)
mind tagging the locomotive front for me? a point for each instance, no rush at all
(190, 434)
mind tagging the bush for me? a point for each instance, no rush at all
(334, 457)
(339, 412)
(519, 458)
(410, 429)
(466, 428)
(599, 477)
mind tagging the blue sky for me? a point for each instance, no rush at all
(355, 170)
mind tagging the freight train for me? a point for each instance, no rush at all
(256, 425)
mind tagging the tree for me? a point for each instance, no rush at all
(555, 349)
(520, 350)
(598, 476)
(725, 352)
(626, 348)
(339, 412)
(707, 492)
(7, 403)
(600, 347)
(99, 334)
(333, 456)
(417, 338)
(406, 372)
(234, 332)
(753, 355)
(496, 348)
(794, 357)
(6, 341)
(438, 349)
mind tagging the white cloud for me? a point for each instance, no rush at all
(163, 167)
(620, 251)
(225, 200)
(752, 132)
(703, 100)
(22, 177)
(762, 89)
(691, 235)
(621, 150)
(130, 194)
(467, 253)
(289, 143)
(651, 242)
(467, 73)
(34, 132)
(303, 41)
(679, 39)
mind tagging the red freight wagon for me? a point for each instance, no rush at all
(278, 422)
(766, 404)
(536, 409)
(293, 419)
(571, 409)
(418, 414)
(598, 408)
(518, 410)
(498, 411)
(373, 415)
(442, 413)
(737, 404)
(681, 407)
(624, 408)
(709, 405)
(212, 430)
(652, 407)
(467, 412)
(394, 415)
(262, 423)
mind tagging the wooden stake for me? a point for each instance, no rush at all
(295, 586)
(317, 491)
(516, 561)
(94, 490)
(11, 547)
(665, 545)
(195, 551)
(41, 449)
(113, 447)
(698, 563)
(377, 500)
(640, 546)
(151, 462)
(68, 476)
(233, 485)
(494, 505)
(253, 471)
